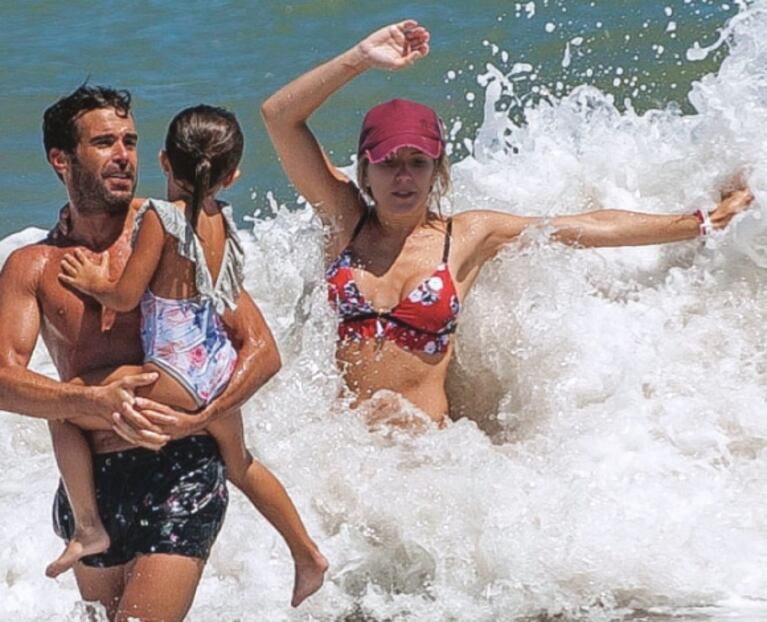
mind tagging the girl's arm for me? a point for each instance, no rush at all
(93, 279)
(493, 230)
(286, 113)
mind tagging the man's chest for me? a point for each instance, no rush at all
(75, 326)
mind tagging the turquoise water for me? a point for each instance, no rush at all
(607, 460)
(235, 53)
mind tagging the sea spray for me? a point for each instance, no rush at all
(608, 456)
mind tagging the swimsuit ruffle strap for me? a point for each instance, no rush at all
(224, 294)
(232, 274)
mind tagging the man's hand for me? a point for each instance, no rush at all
(111, 397)
(151, 424)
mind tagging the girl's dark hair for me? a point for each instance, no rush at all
(204, 146)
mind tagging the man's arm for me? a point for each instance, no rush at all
(26, 392)
(258, 358)
(257, 361)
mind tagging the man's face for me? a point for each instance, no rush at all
(102, 171)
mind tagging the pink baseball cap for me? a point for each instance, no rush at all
(400, 123)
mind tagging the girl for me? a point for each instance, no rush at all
(186, 270)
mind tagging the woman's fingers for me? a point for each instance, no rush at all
(416, 54)
(416, 35)
(417, 42)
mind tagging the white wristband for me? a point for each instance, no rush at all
(704, 223)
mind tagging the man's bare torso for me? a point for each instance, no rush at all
(80, 335)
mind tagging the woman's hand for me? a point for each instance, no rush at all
(396, 46)
(84, 274)
(732, 203)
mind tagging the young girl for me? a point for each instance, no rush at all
(186, 271)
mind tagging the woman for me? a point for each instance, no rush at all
(399, 270)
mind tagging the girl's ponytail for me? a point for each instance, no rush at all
(204, 146)
(201, 186)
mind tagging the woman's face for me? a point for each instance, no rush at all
(403, 182)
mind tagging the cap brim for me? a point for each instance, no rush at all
(432, 147)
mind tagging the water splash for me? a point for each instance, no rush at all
(609, 452)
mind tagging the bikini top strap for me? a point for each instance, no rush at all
(448, 234)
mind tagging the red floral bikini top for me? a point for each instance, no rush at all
(421, 322)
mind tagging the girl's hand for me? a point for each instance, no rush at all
(396, 46)
(84, 274)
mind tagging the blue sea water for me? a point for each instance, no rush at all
(607, 460)
(236, 52)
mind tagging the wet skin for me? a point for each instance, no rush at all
(73, 325)
(80, 336)
(401, 243)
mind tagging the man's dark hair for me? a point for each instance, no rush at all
(59, 127)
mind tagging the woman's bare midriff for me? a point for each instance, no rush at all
(371, 366)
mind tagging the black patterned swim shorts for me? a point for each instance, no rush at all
(170, 501)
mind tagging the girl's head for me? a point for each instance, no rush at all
(203, 148)
(392, 127)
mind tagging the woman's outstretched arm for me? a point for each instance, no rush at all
(286, 114)
(492, 230)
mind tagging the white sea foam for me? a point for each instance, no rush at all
(611, 452)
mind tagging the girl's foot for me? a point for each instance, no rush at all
(310, 573)
(85, 542)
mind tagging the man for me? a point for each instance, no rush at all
(90, 141)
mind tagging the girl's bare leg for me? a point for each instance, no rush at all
(73, 456)
(271, 499)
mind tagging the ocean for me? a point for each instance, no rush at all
(608, 455)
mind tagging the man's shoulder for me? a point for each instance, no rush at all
(136, 204)
(42, 248)
(25, 265)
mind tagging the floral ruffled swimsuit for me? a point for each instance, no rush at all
(186, 337)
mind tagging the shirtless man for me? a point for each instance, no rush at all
(90, 141)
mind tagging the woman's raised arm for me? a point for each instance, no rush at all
(287, 111)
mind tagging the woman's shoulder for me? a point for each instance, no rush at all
(478, 220)
(472, 221)
(474, 229)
